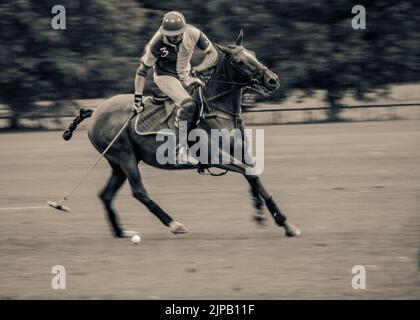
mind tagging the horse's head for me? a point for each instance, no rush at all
(247, 66)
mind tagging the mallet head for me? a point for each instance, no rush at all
(58, 206)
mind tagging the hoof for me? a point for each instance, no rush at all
(259, 219)
(291, 230)
(128, 234)
(177, 228)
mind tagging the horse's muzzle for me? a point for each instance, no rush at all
(271, 81)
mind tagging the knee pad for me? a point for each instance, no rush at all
(186, 111)
(187, 103)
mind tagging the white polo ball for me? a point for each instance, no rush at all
(136, 239)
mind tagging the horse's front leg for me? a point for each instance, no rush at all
(279, 217)
(224, 159)
(257, 186)
(258, 203)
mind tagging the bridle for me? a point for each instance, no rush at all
(253, 78)
(254, 82)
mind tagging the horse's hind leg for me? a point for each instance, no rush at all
(132, 172)
(114, 183)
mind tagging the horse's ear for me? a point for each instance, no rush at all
(240, 38)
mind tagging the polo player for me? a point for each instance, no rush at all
(169, 52)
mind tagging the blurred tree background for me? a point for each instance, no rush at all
(310, 45)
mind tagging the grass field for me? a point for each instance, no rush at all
(352, 188)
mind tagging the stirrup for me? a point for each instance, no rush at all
(183, 156)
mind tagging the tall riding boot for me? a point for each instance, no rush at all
(183, 125)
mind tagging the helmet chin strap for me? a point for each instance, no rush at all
(174, 43)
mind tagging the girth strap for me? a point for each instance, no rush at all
(215, 114)
(237, 119)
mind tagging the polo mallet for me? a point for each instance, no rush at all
(60, 205)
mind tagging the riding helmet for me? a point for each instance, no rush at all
(173, 24)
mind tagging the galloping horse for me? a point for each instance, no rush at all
(235, 68)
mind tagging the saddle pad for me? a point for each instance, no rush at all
(152, 119)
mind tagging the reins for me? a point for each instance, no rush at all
(250, 85)
(201, 172)
(253, 84)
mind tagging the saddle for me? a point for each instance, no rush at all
(159, 112)
(159, 115)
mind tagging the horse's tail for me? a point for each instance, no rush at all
(83, 114)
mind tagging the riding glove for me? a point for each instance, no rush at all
(192, 81)
(138, 105)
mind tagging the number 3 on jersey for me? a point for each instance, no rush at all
(163, 52)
